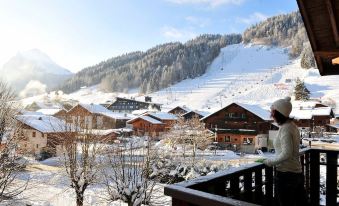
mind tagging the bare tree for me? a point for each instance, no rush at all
(177, 136)
(197, 135)
(190, 132)
(81, 150)
(127, 176)
(9, 166)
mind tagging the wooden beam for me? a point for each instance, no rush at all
(307, 24)
(330, 9)
(327, 53)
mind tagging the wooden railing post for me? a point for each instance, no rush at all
(258, 194)
(269, 186)
(331, 179)
(315, 177)
(234, 187)
(248, 186)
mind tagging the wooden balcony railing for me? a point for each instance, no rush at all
(253, 184)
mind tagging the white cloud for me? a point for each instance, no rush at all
(198, 21)
(210, 3)
(253, 18)
(177, 34)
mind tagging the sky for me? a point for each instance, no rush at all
(81, 33)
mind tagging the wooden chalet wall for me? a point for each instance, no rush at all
(241, 119)
(143, 127)
(177, 111)
(99, 121)
(129, 105)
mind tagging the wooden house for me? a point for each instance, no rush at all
(94, 116)
(195, 114)
(167, 118)
(237, 125)
(40, 133)
(179, 110)
(130, 105)
(312, 117)
(146, 125)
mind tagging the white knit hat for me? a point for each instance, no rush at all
(283, 106)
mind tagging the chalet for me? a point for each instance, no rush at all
(40, 132)
(129, 105)
(332, 128)
(146, 125)
(195, 113)
(312, 117)
(97, 117)
(167, 118)
(237, 125)
(179, 110)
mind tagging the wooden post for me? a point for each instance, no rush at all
(234, 187)
(248, 186)
(268, 186)
(258, 187)
(315, 177)
(331, 178)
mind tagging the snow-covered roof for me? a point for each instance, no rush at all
(334, 125)
(103, 132)
(163, 115)
(44, 123)
(49, 111)
(99, 109)
(202, 113)
(116, 115)
(255, 109)
(181, 107)
(146, 118)
(109, 131)
(308, 113)
(94, 108)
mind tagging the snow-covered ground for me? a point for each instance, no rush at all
(48, 184)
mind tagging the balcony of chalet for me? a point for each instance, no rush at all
(253, 184)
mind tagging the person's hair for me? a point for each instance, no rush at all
(280, 118)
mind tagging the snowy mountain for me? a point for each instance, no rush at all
(250, 74)
(33, 65)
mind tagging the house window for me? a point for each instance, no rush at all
(231, 115)
(100, 121)
(247, 140)
(33, 134)
(37, 146)
(227, 139)
(243, 116)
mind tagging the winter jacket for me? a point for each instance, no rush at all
(286, 145)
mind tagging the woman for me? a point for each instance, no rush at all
(289, 181)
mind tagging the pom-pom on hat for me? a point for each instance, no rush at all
(283, 106)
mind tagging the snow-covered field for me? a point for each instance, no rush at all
(48, 184)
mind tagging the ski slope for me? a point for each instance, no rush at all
(251, 74)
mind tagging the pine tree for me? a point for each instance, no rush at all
(307, 59)
(300, 91)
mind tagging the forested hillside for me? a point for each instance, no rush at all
(283, 30)
(154, 69)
